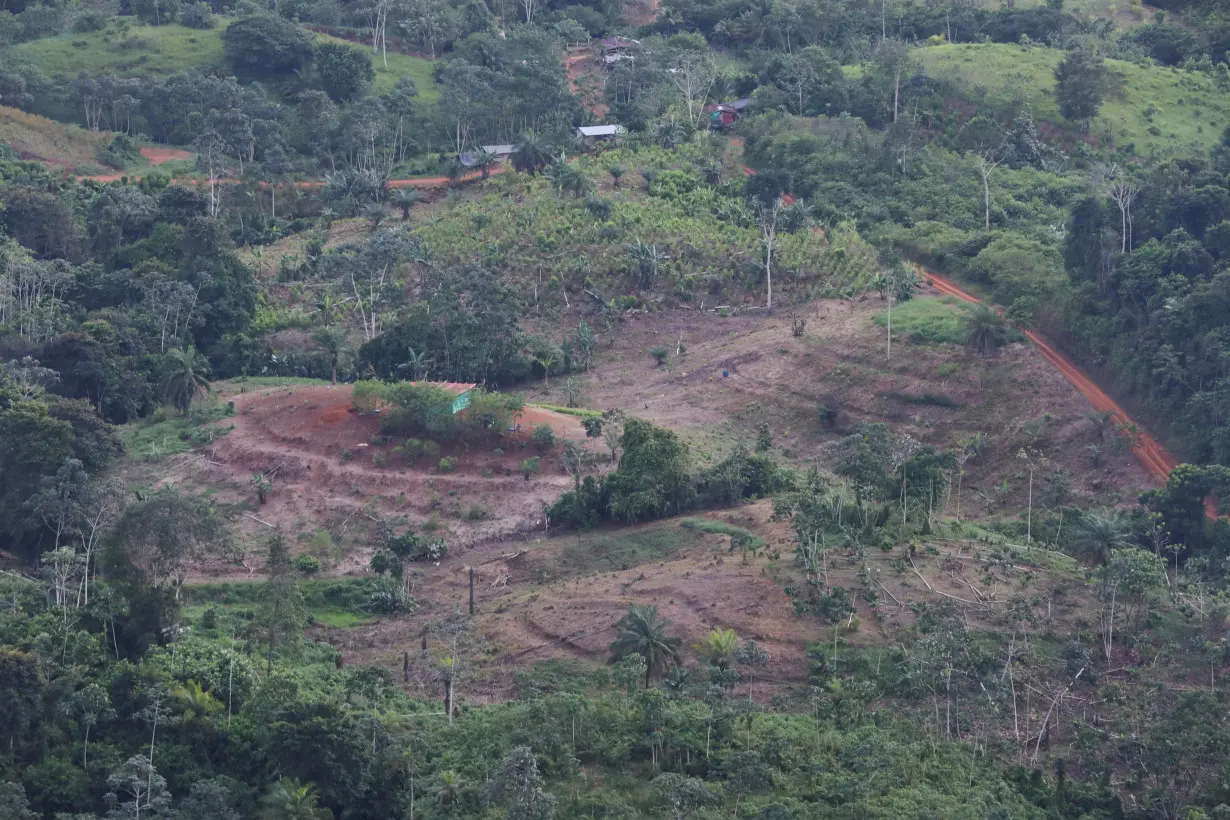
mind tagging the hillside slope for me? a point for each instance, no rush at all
(130, 49)
(37, 138)
(1152, 108)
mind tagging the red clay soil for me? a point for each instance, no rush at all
(155, 156)
(579, 63)
(1156, 458)
(328, 462)
(425, 182)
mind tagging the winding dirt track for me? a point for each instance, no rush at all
(1156, 458)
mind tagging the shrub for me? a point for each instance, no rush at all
(197, 15)
(91, 20)
(937, 399)
(120, 152)
(544, 437)
(447, 464)
(307, 564)
(365, 397)
(431, 449)
(599, 207)
(827, 416)
(476, 512)
(389, 597)
(659, 354)
(529, 467)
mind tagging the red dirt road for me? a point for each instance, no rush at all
(156, 156)
(425, 182)
(1156, 458)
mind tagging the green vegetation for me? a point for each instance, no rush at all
(1016, 660)
(933, 399)
(35, 137)
(607, 553)
(582, 412)
(124, 48)
(1158, 111)
(712, 527)
(154, 52)
(928, 321)
(164, 434)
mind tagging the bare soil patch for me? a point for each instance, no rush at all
(739, 372)
(332, 470)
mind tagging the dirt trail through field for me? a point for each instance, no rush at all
(420, 182)
(1156, 458)
(155, 156)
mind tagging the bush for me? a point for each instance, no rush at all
(197, 15)
(659, 354)
(937, 399)
(91, 20)
(447, 464)
(599, 207)
(431, 449)
(307, 564)
(366, 395)
(544, 437)
(529, 467)
(828, 416)
(389, 597)
(120, 152)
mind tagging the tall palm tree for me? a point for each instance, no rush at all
(617, 172)
(718, 647)
(331, 341)
(532, 154)
(375, 213)
(568, 179)
(449, 790)
(985, 329)
(484, 161)
(185, 378)
(1101, 533)
(642, 631)
(288, 799)
(406, 198)
(327, 305)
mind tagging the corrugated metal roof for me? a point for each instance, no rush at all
(600, 130)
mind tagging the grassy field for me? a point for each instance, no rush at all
(1156, 110)
(927, 321)
(38, 138)
(135, 50)
(1121, 11)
